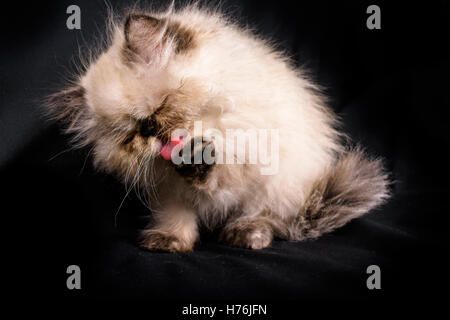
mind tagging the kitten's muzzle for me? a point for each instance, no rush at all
(148, 127)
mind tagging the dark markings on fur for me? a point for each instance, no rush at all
(183, 37)
(147, 127)
(140, 29)
(157, 241)
(196, 173)
(252, 233)
(168, 118)
(129, 137)
(354, 186)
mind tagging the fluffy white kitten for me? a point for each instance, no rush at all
(165, 71)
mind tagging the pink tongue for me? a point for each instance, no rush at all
(166, 150)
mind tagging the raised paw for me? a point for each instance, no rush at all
(159, 241)
(197, 172)
(247, 234)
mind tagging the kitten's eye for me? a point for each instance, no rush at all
(147, 127)
(129, 138)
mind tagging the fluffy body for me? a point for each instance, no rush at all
(194, 64)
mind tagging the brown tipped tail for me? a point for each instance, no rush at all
(354, 186)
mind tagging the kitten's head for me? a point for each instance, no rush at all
(145, 85)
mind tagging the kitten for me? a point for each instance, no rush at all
(167, 71)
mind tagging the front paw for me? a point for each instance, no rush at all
(247, 234)
(198, 148)
(158, 241)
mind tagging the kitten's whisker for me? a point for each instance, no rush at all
(127, 189)
(59, 153)
(85, 160)
(146, 182)
(148, 164)
(128, 173)
(153, 183)
(137, 179)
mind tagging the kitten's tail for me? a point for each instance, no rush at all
(354, 186)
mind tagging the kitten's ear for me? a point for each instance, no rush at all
(66, 104)
(145, 39)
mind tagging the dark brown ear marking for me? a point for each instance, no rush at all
(183, 37)
(67, 104)
(147, 37)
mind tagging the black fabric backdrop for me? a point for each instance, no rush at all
(390, 87)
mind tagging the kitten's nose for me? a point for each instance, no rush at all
(148, 127)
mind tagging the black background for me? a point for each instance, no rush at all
(390, 87)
